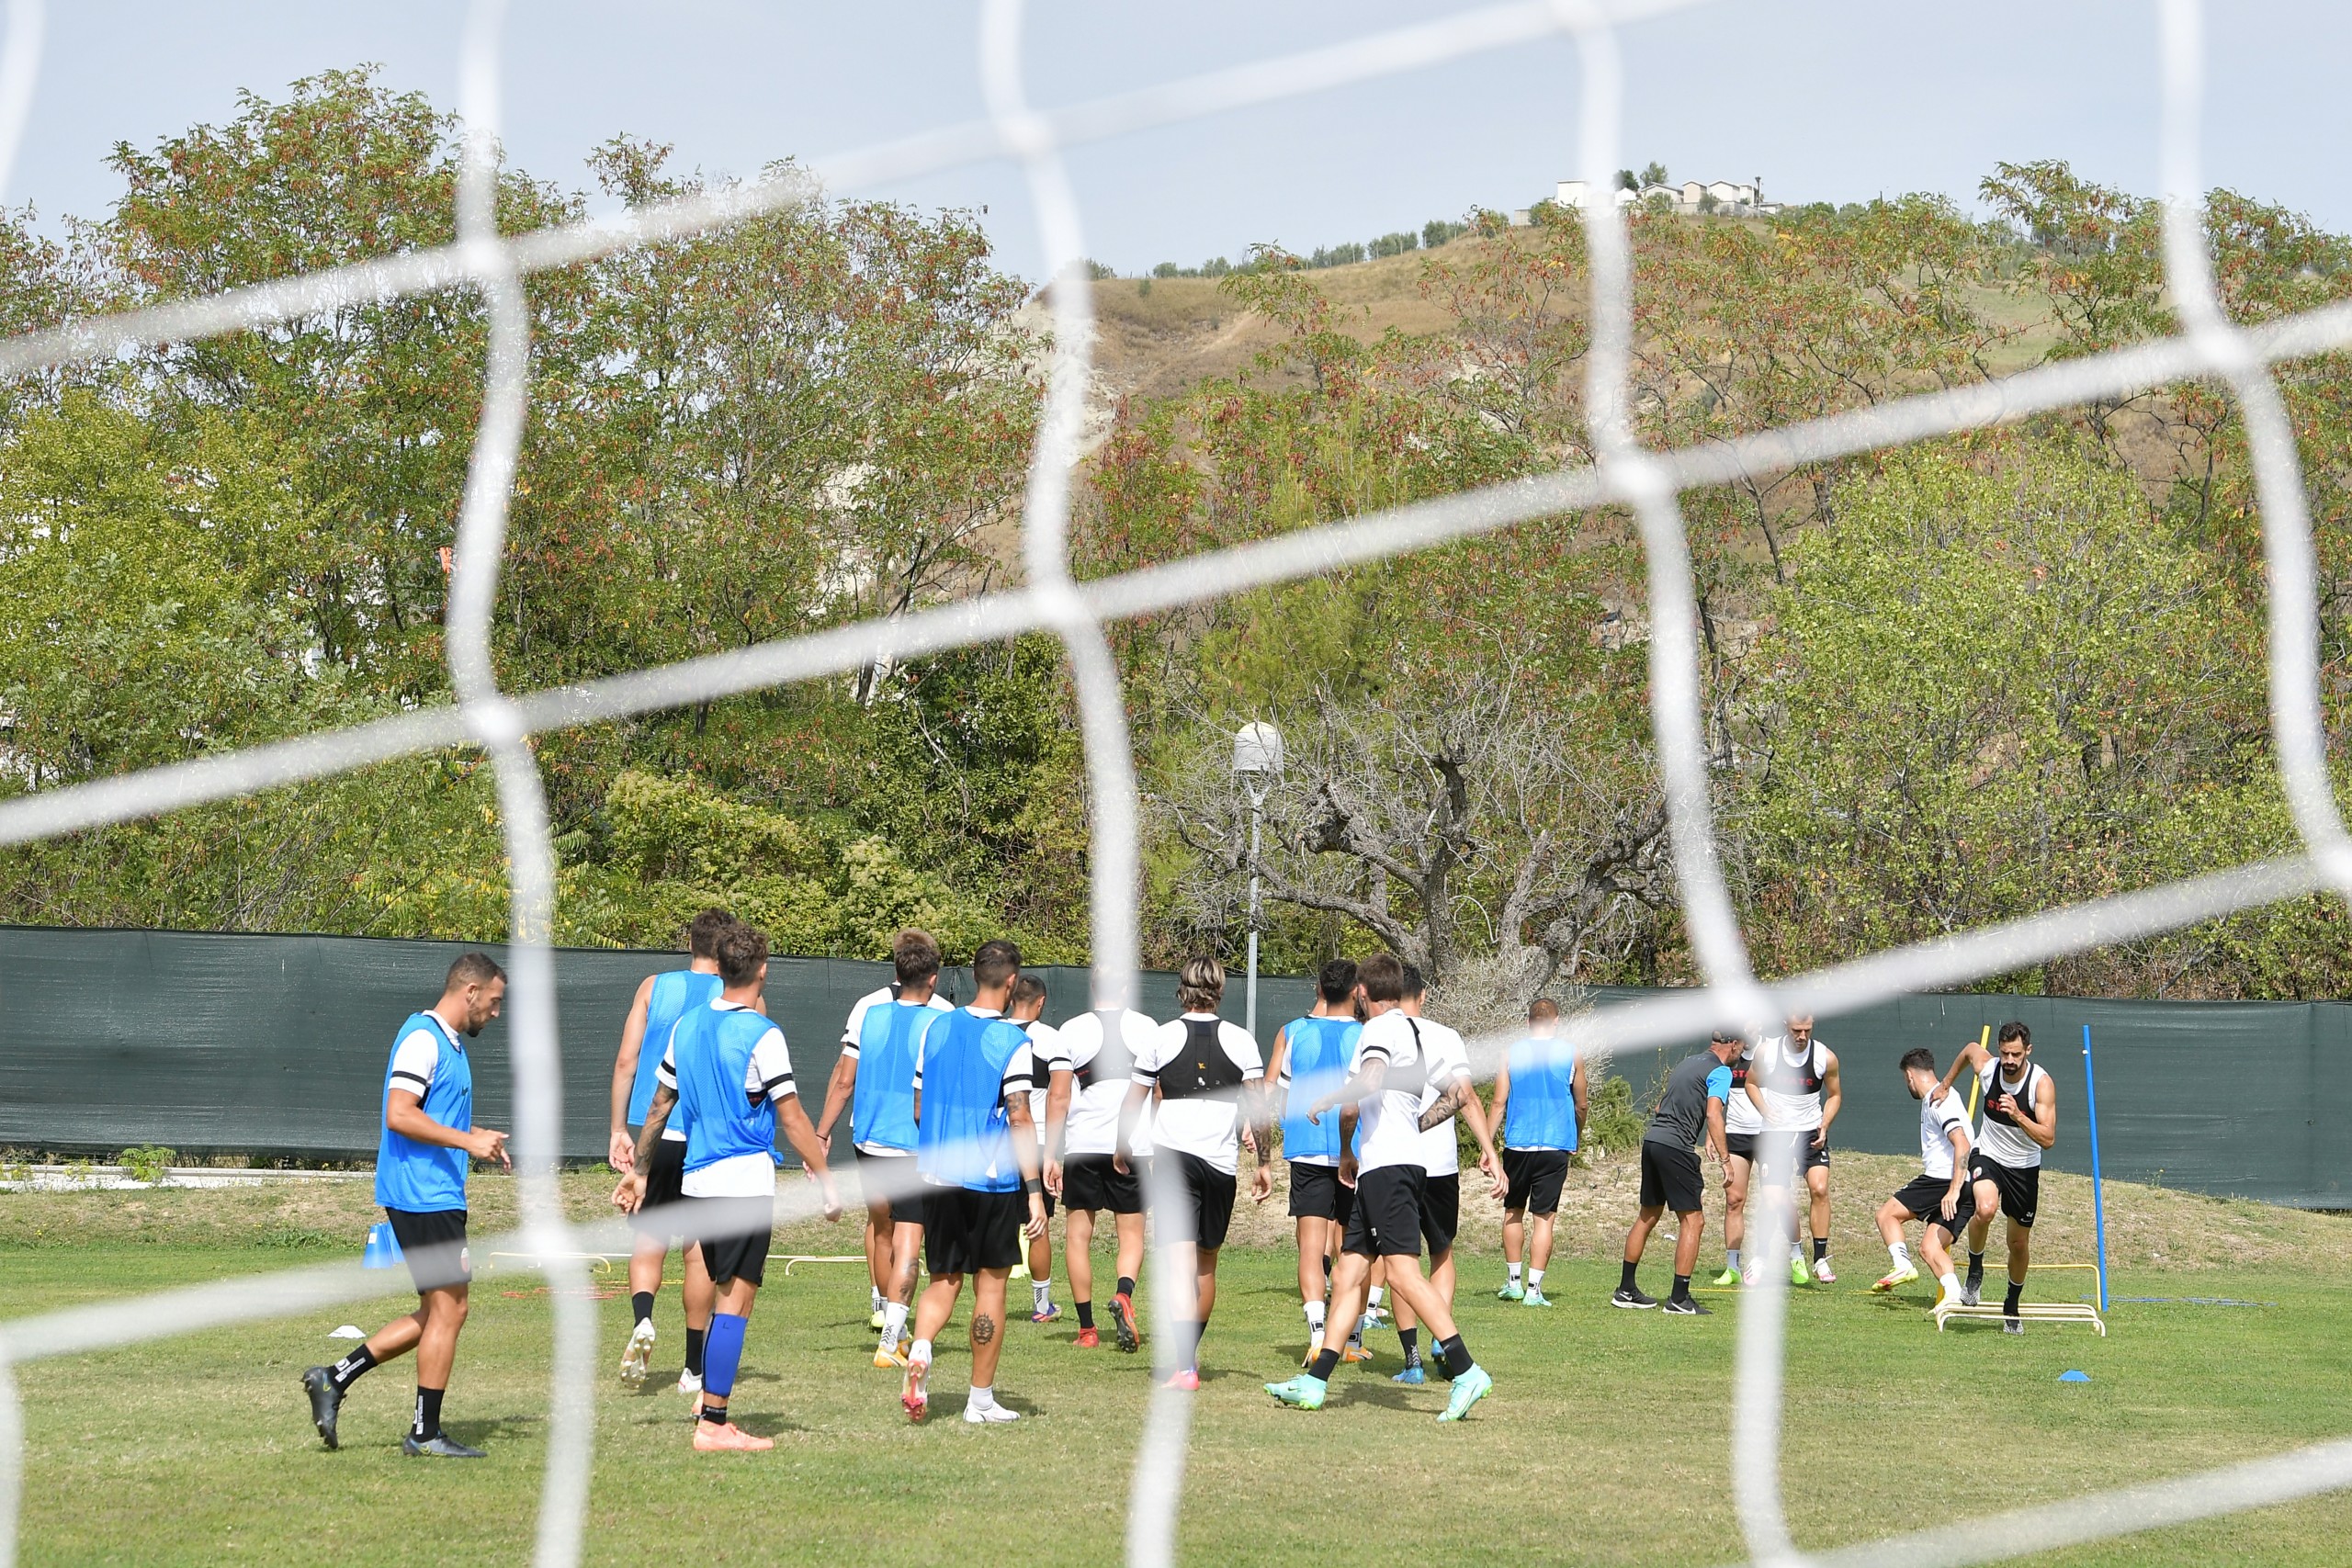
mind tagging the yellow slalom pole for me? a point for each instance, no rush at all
(1984, 1043)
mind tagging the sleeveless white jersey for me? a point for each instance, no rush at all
(1998, 1138)
(1740, 1111)
(1792, 1085)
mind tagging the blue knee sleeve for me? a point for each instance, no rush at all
(722, 1352)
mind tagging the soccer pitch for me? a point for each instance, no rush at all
(1606, 1440)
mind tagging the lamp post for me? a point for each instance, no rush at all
(1257, 762)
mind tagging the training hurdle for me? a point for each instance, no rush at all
(2037, 1312)
(795, 1259)
(597, 1260)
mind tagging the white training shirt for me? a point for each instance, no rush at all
(1936, 1119)
(1093, 1126)
(1447, 1056)
(1783, 1109)
(1208, 1127)
(1740, 1111)
(1389, 1124)
(769, 1072)
(416, 1059)
(855, 1028)
(1996, 1140)
(1048, 1055)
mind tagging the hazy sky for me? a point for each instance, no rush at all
(1835, 99)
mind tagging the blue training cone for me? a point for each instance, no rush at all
(383, 1248)
(2074, 1377)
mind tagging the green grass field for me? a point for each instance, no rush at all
(1605, 1441)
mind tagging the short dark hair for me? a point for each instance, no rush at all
(1414, 985)
(1337, 980)
(2014, 1030)
(473, 969)
(702, 933)
(1382, 977)
(1541, 1008)
(1919, 1056)
(915, 954)
(1200, 985)
(996, 962)
(1028, 989)
(1726, 1034)
(742, 949)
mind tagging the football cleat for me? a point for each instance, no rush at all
(1904, 1276)
(1304, 1391)
(1510, 1292)
(726, 1437)
(1631, 1296)
(1088, 1339)
(1468, 1389)
(326, 1399)
(1122, 1322)
(636, 1358)
(915, 1393)
(438, 1446)
(1821, 1272)
(1686, 1306)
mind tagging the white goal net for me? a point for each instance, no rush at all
(1646, 482)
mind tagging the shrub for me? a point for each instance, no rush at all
(149, 1162)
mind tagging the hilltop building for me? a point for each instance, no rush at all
(1731, 197)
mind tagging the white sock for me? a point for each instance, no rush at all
(920, 1350)
(1513, 1269)
(1731, 1257)
(1900, 1253)
(1315, 1318)
(1796, 1252)
(1950, 1282)
(980, 1398)
(1374, 1300)
(877, 1293)
(1535, 1279)
(1041, 1293)
(894, 1323)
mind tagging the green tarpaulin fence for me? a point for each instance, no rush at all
(275, 1045)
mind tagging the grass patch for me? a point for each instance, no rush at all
(1605, 1441)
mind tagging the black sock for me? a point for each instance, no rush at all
(1326, 1363)
(346, 1372)
(1188, 1339)
(694, 1350)
(714, 1413)
(1975, 1267)
(428, 1414)
(2017, 1289)
(1626, 1281)
(1411, 1339)
(641, 1303)
(1820, 1248)
(1681, 1287)
(1085, 1315)
(1126, 1285)
(1455, 1354)
(1326, 1273)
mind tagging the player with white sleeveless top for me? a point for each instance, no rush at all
(2017, 1121)
(1792, 1085)
(1742, 1122)
(1941, 1195)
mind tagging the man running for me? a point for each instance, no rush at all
(2018, 1120)
(1690, 1108)
(1206, 1078)
(1742, 1122)
(1310, 1061)
(662, 999)
(1941, 1194)
(1449, 1093)
(888, 1021)
(1794, 1088)
(421, 1163)
(1383, 1098)
(727, 1072)
(978, 1155)
(1102, 1072)
(1542, 1099)
(875, 1077)
(1049, 1113)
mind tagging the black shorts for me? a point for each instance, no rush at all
(432, 1244)
(1091, 1182)
(1774, 1148)
(1204, 1202)
(1923, 1197)
(1534, 1178)
(740, 1255)
(1670, 1176)
(663, 1174)
(1740, 1146)
(2021, 1189)
(1316, 1193)
(896, 1174)
(1386, 1219)
(1441, 1212)
(965, 1231)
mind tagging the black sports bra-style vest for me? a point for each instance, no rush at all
(1202, 1066)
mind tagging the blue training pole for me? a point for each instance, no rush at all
(2099, 1203)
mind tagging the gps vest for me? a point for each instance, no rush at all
(1202, 1068)
(428, 1177)
(674, 992)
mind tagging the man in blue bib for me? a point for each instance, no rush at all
(662, 999)
(429, 1137)
(1310, 1061)
(1541, 1100)
(976, 1149)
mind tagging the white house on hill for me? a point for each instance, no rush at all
(1733, 199)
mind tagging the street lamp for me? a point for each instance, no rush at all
(1257, 762)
